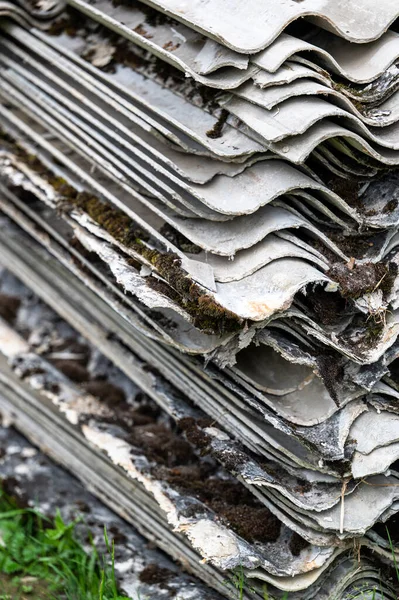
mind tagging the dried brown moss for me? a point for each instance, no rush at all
(194, 434)
(234, 505)
(217, 130)
(179, 240)
(365, 278)
(119, 225)
(207, 314)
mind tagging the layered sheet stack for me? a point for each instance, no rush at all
(208, 195)
(141, 571)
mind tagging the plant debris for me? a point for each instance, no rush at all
(363, 278)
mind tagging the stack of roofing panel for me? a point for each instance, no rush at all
(141, 570)
(208, 195)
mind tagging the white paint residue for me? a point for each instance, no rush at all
(11, 344)
(119, 452)
(212, 541)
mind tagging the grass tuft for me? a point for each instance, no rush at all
(37, 549)
(42, 558)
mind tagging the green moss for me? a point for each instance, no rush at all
(207, 314)
(113, 220)
(374, 330)
(179, 240)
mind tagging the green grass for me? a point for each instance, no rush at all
(43, 559)
(47, 552)
(242, 587)
(240, 582)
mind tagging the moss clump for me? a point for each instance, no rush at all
(119, 225)
(60, 185)
(217, 130)
(363, 278)
(374, 330)
(179, 240)
(206, 313)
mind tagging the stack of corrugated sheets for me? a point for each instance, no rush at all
(207, 193)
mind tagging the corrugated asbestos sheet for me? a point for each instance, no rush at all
(140, 569)
(200, 200)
